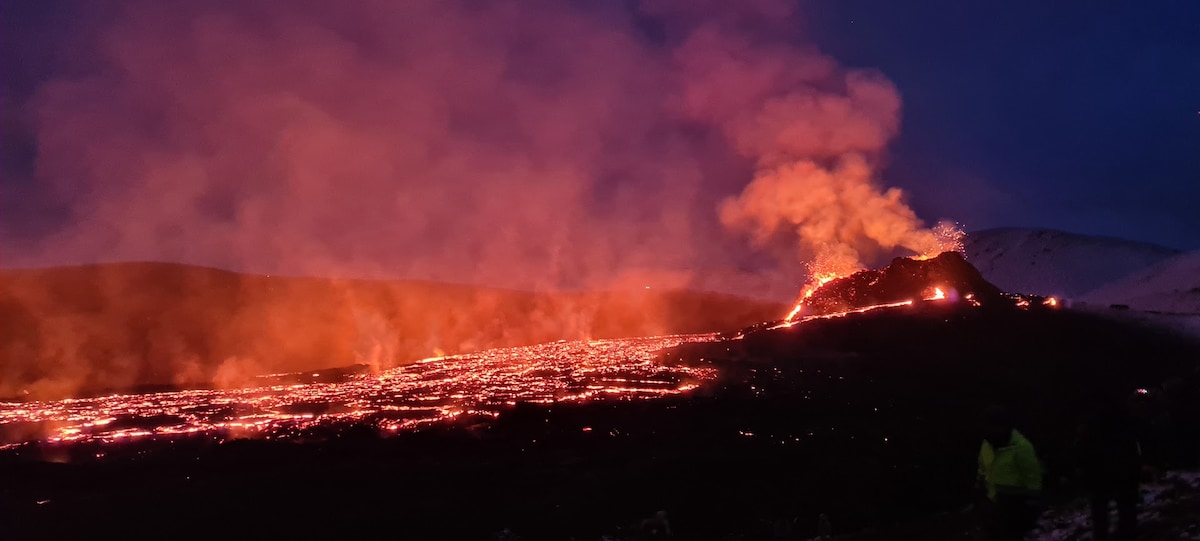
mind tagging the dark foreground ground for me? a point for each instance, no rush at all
(871, 420)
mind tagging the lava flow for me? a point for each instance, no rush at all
(431, 390)
(476, 385)
(818, 280)
(946, 277)
(838, 266)
(792, 320)
(901, 282)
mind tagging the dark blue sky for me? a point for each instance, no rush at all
(1076, 115)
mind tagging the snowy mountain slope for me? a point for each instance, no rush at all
(1171, 286)
(1047, 262)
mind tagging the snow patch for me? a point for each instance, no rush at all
(1171, 286)
(1073, 522)
(1054, 263)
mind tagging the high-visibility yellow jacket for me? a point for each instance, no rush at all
(1013, 469)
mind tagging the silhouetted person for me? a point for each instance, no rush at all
(1115, 441)
(1010, 471)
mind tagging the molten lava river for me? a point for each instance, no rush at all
(427, 391)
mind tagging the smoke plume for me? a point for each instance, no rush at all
(536, 145)
(817, 135)
(524, 144)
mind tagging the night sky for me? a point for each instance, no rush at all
(1067, 115)
(1071, 115)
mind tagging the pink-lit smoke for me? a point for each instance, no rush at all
(526, 144)
(817, 134)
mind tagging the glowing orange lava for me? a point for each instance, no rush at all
(937, 295)
(946, 236)
(427, 391)
(818, 280)
(821, 278)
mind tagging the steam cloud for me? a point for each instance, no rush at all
(817, 134)
(525, 144)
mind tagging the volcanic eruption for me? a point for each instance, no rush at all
(947, 278)
(904, 279)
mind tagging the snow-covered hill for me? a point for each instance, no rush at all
(1171, 286)
(1046, 262)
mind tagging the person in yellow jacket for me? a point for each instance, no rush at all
(1010, 471)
